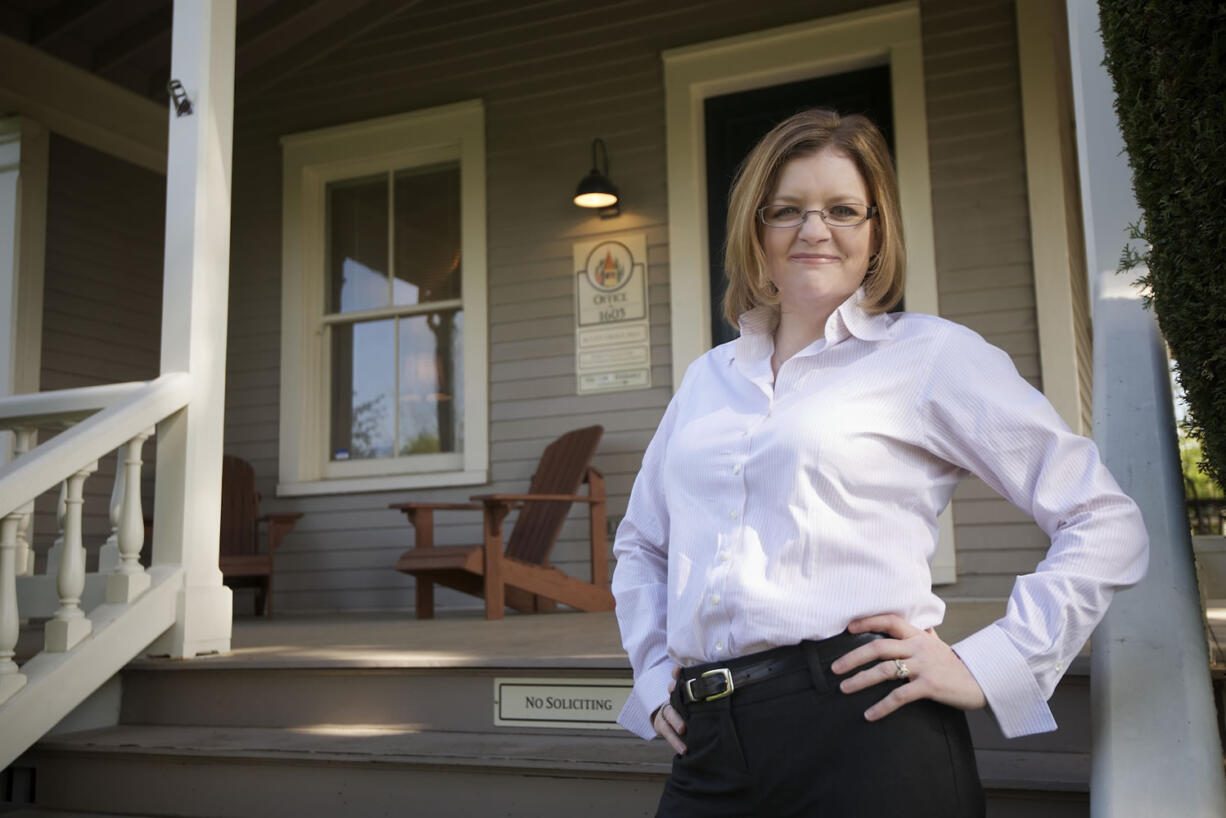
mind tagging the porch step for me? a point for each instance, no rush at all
(233, 771)
(34, 812)
(221, 772)
(341, 718)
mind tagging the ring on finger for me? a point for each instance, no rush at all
(901, 672)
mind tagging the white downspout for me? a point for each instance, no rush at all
(187, 506)
(1155, 742)
(23, 220)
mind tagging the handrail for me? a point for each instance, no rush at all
(63, 404)
(46, 466)
(1156, 745)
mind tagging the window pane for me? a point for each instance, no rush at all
(431, 372)
(357, 244)
(363, 390)
(427, 234)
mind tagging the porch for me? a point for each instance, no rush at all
(361, 714)
(308, 712)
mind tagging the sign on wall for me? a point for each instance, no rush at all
(612, 332)
(579, 703)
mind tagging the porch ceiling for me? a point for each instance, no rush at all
(128, 41)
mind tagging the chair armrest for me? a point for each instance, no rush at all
(421, 517)
(279, 524)
(523, 498)
(288, 517)
(406, 507)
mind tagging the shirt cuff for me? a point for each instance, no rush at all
(1007, 682)
(650, 692)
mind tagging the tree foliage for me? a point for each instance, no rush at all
(1167, 60)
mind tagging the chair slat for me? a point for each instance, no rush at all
(560, 471)
(239, 508)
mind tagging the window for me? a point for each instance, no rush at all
(383, 355)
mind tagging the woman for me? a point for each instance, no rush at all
(773, 583)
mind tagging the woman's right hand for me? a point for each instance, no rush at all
(668, 722)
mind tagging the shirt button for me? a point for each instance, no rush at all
(732, 514)
(736, 469)
(723, 556)
(714, 599)
(719, 647)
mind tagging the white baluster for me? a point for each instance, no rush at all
(69, 625)
(57, 547)
(10, 679)
(26, 438)
(129, 580)
(108, 555)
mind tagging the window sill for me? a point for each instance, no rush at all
(393, 482)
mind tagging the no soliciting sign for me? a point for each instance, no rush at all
(579, 703)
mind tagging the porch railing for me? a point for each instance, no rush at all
(96, 623)
(1207, 516)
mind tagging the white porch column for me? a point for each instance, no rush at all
(1156, 749)
(187, 505)
(23, 221)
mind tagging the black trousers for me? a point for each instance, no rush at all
(794, 745)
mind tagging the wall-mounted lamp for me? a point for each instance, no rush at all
(596, 190)
(178, 98)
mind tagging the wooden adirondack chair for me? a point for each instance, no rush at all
(242, 563)
(521, 577)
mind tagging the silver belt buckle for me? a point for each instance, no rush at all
(719, 671)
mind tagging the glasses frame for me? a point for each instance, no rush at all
(870, 212)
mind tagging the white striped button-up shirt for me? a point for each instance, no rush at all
(768, 511)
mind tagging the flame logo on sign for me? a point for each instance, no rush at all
(609, 274)
(609, 266)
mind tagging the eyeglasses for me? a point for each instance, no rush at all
(837, 215)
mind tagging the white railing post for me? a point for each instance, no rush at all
(57, 547)
(1155, 741)
(187, 500)
(129, 579)
(11, 680)
(108, 555)
(25, 438)
(69, 626)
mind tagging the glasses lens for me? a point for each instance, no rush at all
(846, 215)
(782, 215)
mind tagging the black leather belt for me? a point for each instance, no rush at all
(716, 683)
(713, 681)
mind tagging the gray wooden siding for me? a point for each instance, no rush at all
(1079, 280)
(102, 298)
(553, 76)
(982, 228)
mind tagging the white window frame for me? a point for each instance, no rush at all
(885, 35)
(312, 160)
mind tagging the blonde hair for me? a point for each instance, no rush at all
(805, 134)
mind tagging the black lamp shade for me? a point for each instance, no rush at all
(596, 191)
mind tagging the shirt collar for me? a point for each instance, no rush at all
(758, 326)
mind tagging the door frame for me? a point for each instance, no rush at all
(889, 35)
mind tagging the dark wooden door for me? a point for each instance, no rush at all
(734, 124)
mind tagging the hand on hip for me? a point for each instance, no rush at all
(929, 666)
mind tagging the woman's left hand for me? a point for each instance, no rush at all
(934, 671)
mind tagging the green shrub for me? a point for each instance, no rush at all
(1167, 59)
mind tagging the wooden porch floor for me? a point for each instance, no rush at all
(574, 640)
